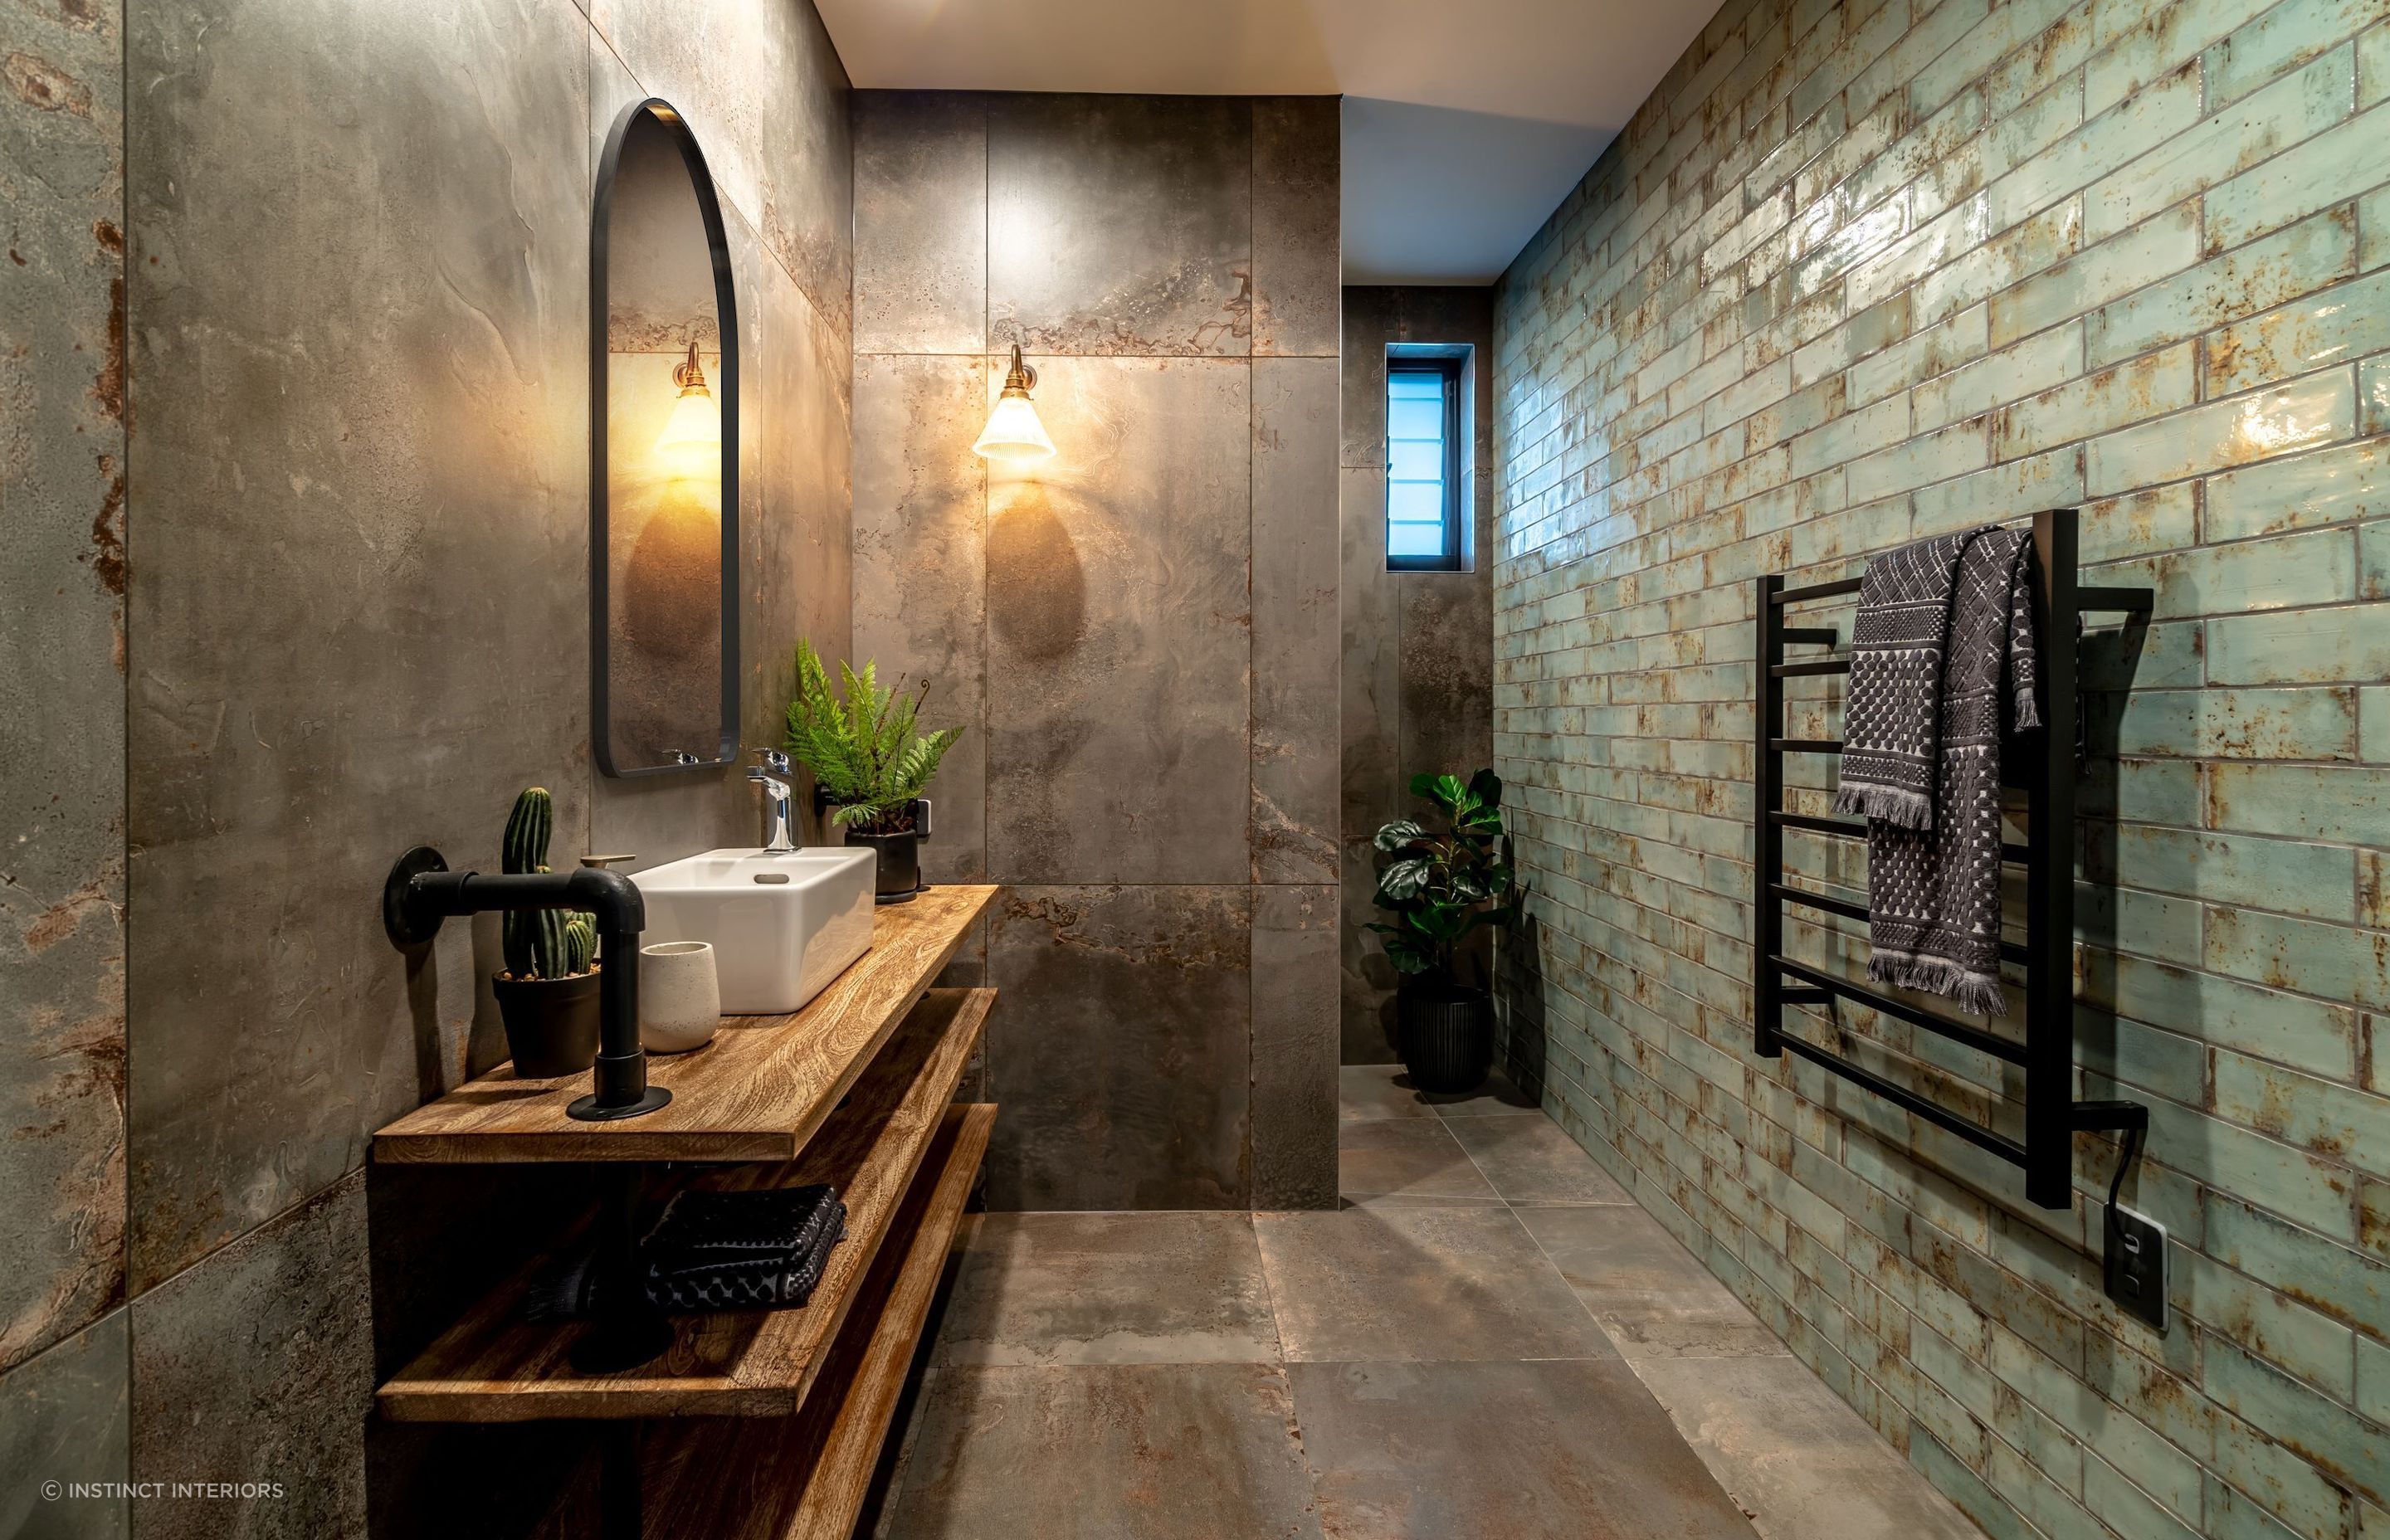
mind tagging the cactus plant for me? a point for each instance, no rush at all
(541, 944)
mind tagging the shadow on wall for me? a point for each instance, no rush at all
(1518, 1005)
(1036, 589)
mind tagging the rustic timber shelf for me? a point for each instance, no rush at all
(805, 1478)
(495, 1366)
(757, 1092)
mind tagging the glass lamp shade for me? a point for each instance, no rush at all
(1013, 431)
(695, 425)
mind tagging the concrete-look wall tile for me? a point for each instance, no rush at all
(1119, 225)
(256, 1365)
(62, 675)
(921, 570)
(66, 1422)
(1295, 1046)
(1298, 246)
(1447, 673)
(1296, 645)
(1119, 629)
(920, 223)
(1371, 772)
(1120, 1047)
(762, 87)
(359, 616)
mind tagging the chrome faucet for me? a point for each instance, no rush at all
(771, 772)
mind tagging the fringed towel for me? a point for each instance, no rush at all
(1892, 713)
(1933, 894)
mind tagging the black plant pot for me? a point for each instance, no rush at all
(551, 1023)
(900, 863)
(1447, 1034)
(900, 856)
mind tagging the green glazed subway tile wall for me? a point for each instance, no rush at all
(1861, 272)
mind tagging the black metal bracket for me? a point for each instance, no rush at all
(2047, 1050)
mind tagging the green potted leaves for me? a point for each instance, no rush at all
(1441, 887)
(547, 996)
(868, 765)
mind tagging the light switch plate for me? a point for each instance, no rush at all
(2134, 1268)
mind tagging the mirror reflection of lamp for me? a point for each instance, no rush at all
(694, 429)
(1013, 431)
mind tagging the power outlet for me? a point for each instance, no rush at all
(2134, 1269)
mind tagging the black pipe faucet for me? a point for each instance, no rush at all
(421, 891)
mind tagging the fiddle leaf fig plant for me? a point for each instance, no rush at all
(1442, 884)
(863, 751)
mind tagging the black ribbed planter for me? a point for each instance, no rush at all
(1446, 1032)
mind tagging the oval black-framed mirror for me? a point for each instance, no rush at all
(663, 456)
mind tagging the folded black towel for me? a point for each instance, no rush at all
(713, 1250)
(741, 1250)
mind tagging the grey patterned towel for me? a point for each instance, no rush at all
(1933, 894)
(1892, 712)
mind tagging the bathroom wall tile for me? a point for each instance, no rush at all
(1119, 225)
(921, 570)
(1295, 1046)
(1120, 1047)
(1561, 1451)
(373, 444)
(2329, 487)
(764, 91)
(2191, 183)
(67, 1423)
(62, 663)
(1093, 1432)
(2342, 322)
(1371, 713)
(920, 222)
(257, 1364)
(2282, 266)
(1297, 556)
(1448, 675)
(1119, 630)
(1298, 248)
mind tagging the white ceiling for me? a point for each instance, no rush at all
(1466, 121)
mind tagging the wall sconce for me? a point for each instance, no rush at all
(1013, 431)
(695, 422)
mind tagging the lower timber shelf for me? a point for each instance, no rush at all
(495, 1366)
(806, 1477)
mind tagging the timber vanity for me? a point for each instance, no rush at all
(857, 1090)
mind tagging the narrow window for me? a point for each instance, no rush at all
(1423, 481)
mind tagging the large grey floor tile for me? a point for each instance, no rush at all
(1166, 1288)
(1098, 1451)
(1649, 1293)
(1532, 1161)
(1497, 1097)
(1796, 1456)
(1367, 1093)
(1406, 1160)
(1396, 1284)
(1528, 1451)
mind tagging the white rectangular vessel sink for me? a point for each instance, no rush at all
(782, 927)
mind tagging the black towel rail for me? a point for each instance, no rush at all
(2046, 1049)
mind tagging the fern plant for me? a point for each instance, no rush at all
(863, 751)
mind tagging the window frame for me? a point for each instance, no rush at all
(1454, 558)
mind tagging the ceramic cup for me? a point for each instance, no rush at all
(680, 1002)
